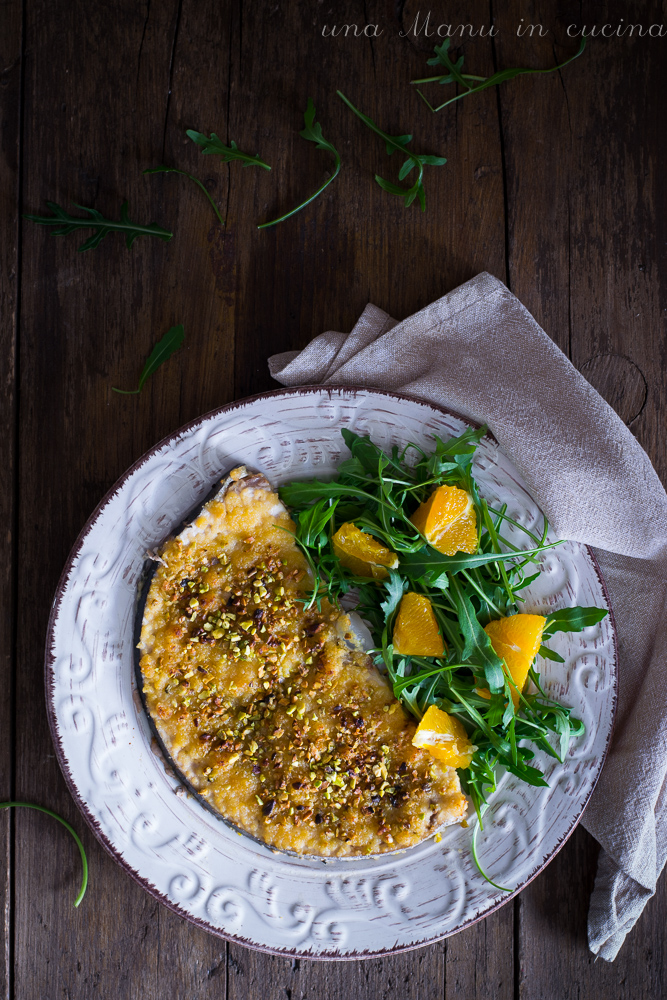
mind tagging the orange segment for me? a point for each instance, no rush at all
(444, 737)
(516, 640)
(447, 520)
(361, 553)
(416, 630)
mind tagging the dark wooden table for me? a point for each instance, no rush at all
(554, 183)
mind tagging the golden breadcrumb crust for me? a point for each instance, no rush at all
(271, 711)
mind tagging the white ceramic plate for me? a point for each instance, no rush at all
(187, 857)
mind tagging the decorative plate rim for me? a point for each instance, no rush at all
(89, 816)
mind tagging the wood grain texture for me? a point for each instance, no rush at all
(417, 975)
(319, 270)
(619, 381)
(10, 125)
(619, 232)
(578, 261)
(473, 216)
(87, 327)
(480, 960)
(553, 183)
(552, 942)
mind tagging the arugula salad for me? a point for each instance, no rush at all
(379, 496)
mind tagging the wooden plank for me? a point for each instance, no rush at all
(94, 119)
(246, 71)
(317, 271)
(414, 975)
(538, 222)
(584, 258)
(553, 943)
(10, 123)
(617, 287)
(480, 960)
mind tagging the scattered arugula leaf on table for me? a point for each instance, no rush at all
(67, 224)
(50, 812)
(398, 143)
(162, 351)
(474, 84)
(313, 133)
(175, 170)
(216, 146)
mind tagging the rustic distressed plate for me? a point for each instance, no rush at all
(192, 861)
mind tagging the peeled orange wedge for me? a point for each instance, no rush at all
(361, 553)
(416, 630)
(447, 520)
(444, 737)
(516, 640)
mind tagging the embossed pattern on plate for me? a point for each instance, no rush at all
(175, 848)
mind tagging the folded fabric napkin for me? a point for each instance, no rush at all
(479, 352)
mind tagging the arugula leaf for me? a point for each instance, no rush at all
(454, 74)
(351, 467)
(174, 170)
(444, 457)
(495, 545)
(162, 351)
(531, 775)
(216, 146)
(313, 133)
(436, 579)
(428, 558)
(398, 143)
(313, 521)
(298, 493)
(378, 491)
(67, 224)
(371, 458)
(396, 587)
(573, 619)
(550, 654)
(525, 582)
(477, 649)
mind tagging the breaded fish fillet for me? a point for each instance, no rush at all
(270, 711)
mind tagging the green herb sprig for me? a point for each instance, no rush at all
(175, 170)
(313, 133)
(217, 147)
(49, 812)
(398, 143)
(378, 492)
(64, 224)
(471, 84)
(162, 351)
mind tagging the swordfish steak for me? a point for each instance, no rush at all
(271, 710)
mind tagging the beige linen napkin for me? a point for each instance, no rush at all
(478, 351)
